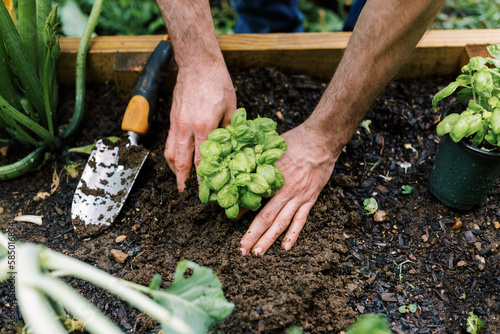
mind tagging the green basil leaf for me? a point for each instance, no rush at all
(483, 81)
(240, 163)
(213, 197)
(227, 196)
(239, 117)
(226, 148)
(464, 79)
(444, 93)
(464, 94)
(477, 63)
(481, 132)
(270, 157)
(459, 129)
(491, 138)
(495, 121)
(210, 149)
(258, 184)
(265, 124)
(243, 179)
(250, 200)
(494, 50)
(219, 135)
(204, 192)
(250, 154)
(474, 106)
(273, 142)
(279, 179)
(207, 167)
(493, 101)
(268, 172)
(475, 123)
(232, 212)
(219, 179)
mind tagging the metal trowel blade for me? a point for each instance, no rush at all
(104, 186)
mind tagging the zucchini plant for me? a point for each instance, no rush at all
(29, 49)
(238, 163)
(479, 122)
(190, 305)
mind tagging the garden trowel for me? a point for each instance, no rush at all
(112, 168)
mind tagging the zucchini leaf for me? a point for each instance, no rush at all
(198, 299)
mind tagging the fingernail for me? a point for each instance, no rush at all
(243, 251)
(257, 251)
(287, 246)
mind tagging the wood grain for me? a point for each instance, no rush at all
(120, 58)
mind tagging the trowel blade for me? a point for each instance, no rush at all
(104, 186)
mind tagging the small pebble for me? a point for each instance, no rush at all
(481, 266)
(478, 246)
(380, 216)
(480, 259)
(1, 210)
(425, 238)
(496, 224)
(457, 225)
(280, 116)
(118, 255)
(120, 238)
(461, 263)
(412, 257)
(476, 227)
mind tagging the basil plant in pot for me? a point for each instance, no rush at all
(467, 161)
(238, 163)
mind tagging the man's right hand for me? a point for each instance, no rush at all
(203, 100)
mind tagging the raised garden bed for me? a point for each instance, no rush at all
(344, 263)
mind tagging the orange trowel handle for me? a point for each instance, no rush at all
(140, 110)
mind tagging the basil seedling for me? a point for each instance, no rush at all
(238, 163)
(480, 121)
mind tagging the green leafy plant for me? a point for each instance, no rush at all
(370, 206)
(370, 324)
(480, 89)
(410, 308)
(474, 324)
(238, 163)
(28, 88)
(190, 305)
(406, 189)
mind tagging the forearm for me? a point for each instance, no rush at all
(385, 34)
(191, 30)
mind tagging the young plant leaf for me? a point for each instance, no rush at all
(370, 206)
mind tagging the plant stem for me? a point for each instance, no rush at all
(23, 166)
(55, 261)
(42, 12)
(47, 137)
(46, 91)
(81, 59)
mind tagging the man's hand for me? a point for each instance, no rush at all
(203, 100)
(307, 166)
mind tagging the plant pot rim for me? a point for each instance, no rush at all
(495, 154)
(476, 150)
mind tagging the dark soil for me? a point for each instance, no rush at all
(344, 263)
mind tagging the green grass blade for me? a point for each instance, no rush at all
(27, 28)
(19, 60)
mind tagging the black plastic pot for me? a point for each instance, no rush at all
(462, 174)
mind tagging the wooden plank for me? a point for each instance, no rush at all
(439, 53)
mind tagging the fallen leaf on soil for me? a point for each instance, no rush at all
(457, 225)
(41, 195)
(55, 182)
(118, 255)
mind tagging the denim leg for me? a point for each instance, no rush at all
(267, 16)
(352, 16)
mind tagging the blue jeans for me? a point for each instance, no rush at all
(267, 16)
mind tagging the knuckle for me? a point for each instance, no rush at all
(180, 164)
